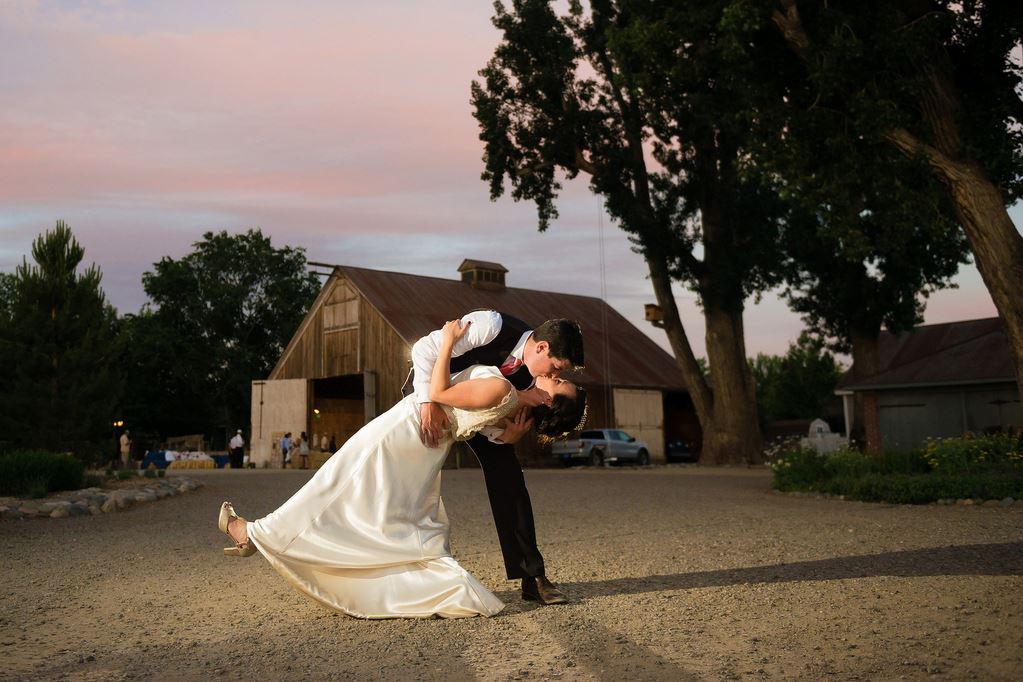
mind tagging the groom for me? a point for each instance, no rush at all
(521, 353)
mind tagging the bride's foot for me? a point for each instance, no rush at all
(235, 528)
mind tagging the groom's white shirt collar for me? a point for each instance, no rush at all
(520, 347)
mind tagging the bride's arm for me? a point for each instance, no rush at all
(472, 394)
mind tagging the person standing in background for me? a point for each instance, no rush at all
(237, 450)
(285, 450)
(303, 452)
(125, 446)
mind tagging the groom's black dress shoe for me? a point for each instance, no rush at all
(542, 590)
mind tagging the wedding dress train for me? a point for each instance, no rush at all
(368, 534)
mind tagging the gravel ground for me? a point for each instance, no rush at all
(677, 573)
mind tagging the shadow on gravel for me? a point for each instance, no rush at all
(1005, 558)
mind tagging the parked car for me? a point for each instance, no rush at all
(679, 451)
(600, 447)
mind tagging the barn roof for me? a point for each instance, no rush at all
(968, 352)
(415, 305)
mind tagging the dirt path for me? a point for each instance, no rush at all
(677, 573)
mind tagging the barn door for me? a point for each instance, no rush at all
(278, 406)
(641, 415)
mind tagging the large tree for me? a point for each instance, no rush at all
(650, 101)
(218, 318)
(60, 381)
(936, 81)
(869, 236)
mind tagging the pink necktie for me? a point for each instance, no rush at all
(510, 366)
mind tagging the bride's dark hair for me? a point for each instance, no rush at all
(564, 415)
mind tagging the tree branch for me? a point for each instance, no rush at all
(786, 18)
(910, 145)
(583, 164)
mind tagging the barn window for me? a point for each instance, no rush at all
(342, 309)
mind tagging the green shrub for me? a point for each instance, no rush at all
(848, 463)
(38, 472)
(92, 481)
(36, 491)
(125, 474)
(161, 472)
(901, 462)
(149, 473)
(986, 467)
(799, 468)
(924, 488)
(1001, 451)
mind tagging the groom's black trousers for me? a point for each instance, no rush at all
(509, 501)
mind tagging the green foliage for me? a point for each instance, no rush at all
(797, 385)
(218, 318)
(59, 381)
(650, 102)
(125, 474)
(7, 290)
(925, 488)
(989, 467)
(37, 472)
(942, 74)
(974, 453)
(869, 235)
(875, 64)
(149, 473)
(92, 481)
(799, 468)
(869, 238)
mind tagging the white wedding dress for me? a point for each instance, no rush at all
(368, 535)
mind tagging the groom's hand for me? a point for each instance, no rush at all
(434, 421)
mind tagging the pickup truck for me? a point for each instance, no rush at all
(600, 447)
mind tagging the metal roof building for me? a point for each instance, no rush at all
(939, 380)
(349, 357)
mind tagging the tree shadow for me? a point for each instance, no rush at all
(995, 559)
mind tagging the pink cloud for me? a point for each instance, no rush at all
(338, 126)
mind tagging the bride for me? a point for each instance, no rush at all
(368, 534)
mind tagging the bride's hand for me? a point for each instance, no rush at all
(454, 330)
(534, 396)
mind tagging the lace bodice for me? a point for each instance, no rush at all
(467, 423)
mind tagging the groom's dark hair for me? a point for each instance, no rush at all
(564, 338)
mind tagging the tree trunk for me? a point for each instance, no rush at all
(728, 411)
(998, 252)
(866, 363)
(733, 433)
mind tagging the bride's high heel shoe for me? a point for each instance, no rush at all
(240, 549)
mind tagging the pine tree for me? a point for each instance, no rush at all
(60, 383)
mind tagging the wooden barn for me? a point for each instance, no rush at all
(348, 359)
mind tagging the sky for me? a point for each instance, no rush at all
(343, 127)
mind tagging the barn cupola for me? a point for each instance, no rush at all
(483, 275)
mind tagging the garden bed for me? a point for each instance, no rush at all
(982, 468)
